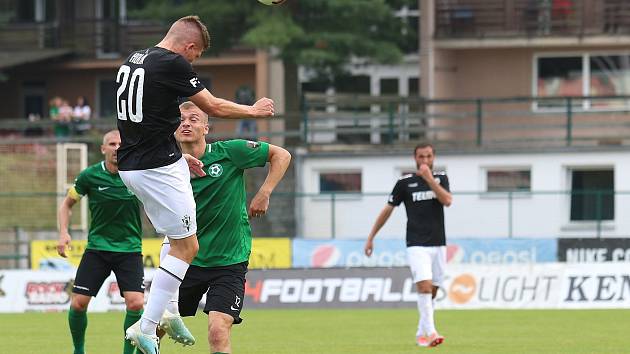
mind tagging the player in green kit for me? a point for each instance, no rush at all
(114, 241)
(223, 229)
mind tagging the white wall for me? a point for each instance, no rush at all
(545, 213)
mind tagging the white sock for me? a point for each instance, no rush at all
(420, 330)
(425, 304)
(165, 283)
(173, 303)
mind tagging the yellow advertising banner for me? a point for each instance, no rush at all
(267, 253)
(270, 253)
(44, 254)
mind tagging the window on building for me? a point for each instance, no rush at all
(502, 180)
(609, 77)
(592, 194)
(389, 86)
(339, 182)
(315, 86)
(414, 87)
(359, 84)
(583, 75)
(559, 76)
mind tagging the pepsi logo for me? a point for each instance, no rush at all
(454, 254)
(325, 256)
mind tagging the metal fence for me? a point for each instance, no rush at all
(527, 18)
(477, 123)
(534, 214)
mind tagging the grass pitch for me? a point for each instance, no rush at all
(348, 331)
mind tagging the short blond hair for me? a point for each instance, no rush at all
(190, 105)
(193, 21)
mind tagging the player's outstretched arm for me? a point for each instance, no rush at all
(279, 160)
(220, 108)
(63, 218)
(378, 224)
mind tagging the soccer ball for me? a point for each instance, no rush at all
(272, 2)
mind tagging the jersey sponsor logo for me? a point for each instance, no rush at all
(100, 189)
(421, 196)
(186, 222)
(194, 82)
(253, 144)
(412, 185)
(215, 170)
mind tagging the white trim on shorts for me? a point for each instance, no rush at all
(167, 197)
(427, 263)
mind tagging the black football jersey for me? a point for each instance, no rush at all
(150, 82)
(425, 213)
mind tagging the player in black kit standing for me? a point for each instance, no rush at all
(425, 194)
(150, 82)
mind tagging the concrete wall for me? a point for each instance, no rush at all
(474, 213)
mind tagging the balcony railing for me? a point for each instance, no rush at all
(473, 123)
(86, 37)
(514, 122)
(530, 18)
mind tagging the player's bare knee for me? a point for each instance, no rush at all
(218, 333)
(424, 287)
(185, 249)
(135, 304)
(79, 303)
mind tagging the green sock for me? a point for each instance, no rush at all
(130, 318)
(78, 324)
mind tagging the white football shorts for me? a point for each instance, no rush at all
(427, 263)
(167, 197)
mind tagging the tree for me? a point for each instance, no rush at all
(321, 35)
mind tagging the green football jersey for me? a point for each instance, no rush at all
(223, 229)
(115, 212)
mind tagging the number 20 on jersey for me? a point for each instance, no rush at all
(131, 105)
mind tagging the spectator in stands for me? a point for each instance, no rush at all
(81, 115)
(53, 107)
(62, 122)
(561, 12)
(65, 111)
